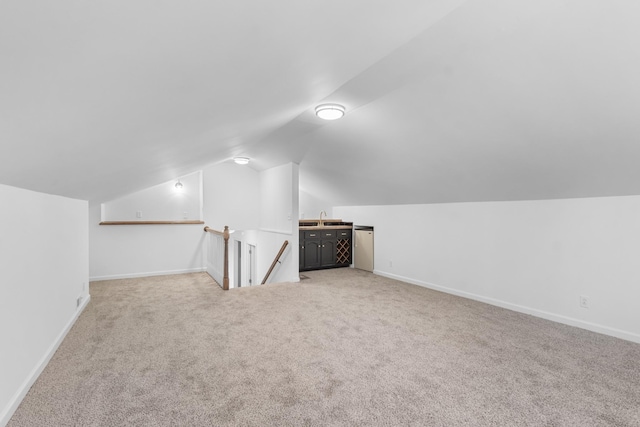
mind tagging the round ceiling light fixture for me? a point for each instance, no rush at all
(330, 111)
(241, 160)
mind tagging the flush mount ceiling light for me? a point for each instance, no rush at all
(330, 111)
(241, 160)
(179, 185)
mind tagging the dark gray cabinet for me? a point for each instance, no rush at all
(327, 253)
(325, 248)
(311, 254)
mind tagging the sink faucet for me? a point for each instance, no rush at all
(325, 215)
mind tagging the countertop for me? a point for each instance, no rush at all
(333, 224)
(326, 227)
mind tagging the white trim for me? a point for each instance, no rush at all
(15, 401)
(594, 327)
(146, 274)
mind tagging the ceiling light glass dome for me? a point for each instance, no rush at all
(330, 111)
(241, 160)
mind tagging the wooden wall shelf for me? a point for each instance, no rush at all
(190, 221)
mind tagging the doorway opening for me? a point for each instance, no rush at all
(253, 271)
(238, 264)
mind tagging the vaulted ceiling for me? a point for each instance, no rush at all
(447, 100)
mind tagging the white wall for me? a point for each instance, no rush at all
(279, 198)
(279, 222)
(268, 246)
(311, 206)
(119, 251)
(43, 270)
(231, 197)
(163, 202)
(537, 257)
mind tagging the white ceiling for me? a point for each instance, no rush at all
(447, 100)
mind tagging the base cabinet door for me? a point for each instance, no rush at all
(328, 253)
(312, 254)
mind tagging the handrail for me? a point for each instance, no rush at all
(185, 221)
(225, 235)
(275, 260)
(211, 230)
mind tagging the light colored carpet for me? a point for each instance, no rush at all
(343, 347)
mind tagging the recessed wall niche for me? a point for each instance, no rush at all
(164, 203)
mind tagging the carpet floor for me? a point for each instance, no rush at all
(341, 348)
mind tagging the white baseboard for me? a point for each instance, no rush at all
(146, 274)
(15, 401)
(625, 335)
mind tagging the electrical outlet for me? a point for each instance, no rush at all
(138, 214)
(78, 302)
(584, 301)
(185, 214)
(390, 263)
